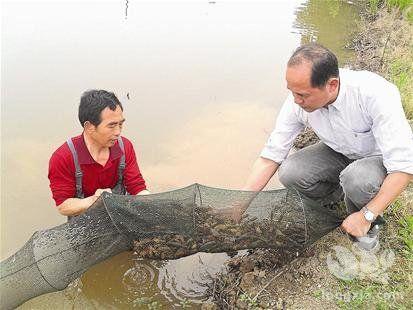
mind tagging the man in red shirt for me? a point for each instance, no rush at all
(98, 160)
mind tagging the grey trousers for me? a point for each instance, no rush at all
(325, 176)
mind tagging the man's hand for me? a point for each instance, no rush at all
(231, 213)
(99, 191)
(356, 225)
(144, 192)
(76, 206)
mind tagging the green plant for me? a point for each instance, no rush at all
(148, 302)
(401, 4)
(374, 5)
(406, 234)
(401, 74)
(252, 303)
(154, 305)
(395, 207)
(318, 294)
(405, 6)
(185, 304)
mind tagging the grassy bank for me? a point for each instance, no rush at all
(399, 61)
(385, 45)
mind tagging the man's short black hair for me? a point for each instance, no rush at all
(324, 62)
(93, 102)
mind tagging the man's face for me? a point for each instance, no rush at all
(308, 97)
(108, 131)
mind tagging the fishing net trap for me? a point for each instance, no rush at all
(160, 226)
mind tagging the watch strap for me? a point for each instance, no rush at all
(367, 212)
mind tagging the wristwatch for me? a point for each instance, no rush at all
(368, 215)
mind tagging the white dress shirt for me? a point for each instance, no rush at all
(366, 119)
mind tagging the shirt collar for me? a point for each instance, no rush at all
(83, 153)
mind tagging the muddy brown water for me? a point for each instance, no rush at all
(205, 82)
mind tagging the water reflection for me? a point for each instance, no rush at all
(201, 84)
(138, 274)
(188, 277)
(330, 23)
(123, 282)
(145, 282)
(225, 160)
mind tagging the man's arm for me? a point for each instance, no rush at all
(76, 206)
(262, 171)
(393, 185)
(288, 126)
(394, 138)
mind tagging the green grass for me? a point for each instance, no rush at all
(406, 235)
(405, 6)
(401, 4)
(401, 74)
(361, 295)
(374, 5)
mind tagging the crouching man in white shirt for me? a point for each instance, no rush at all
(366, 147)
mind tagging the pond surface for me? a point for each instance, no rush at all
(205, 81)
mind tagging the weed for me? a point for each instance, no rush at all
(401, 74)
(185, 304)
(406, 235)
(252, 303)
(148, 302)
(405, 6)
(401, 4)
(374, 5)
(154, 305)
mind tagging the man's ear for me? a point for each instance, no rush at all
(333, 84)
(89, 127)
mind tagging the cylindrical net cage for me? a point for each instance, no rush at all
(161, 226)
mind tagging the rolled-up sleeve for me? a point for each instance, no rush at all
(287, 127)
(391, 129)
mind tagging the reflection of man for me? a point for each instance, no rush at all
(366, 148)
(96, 161)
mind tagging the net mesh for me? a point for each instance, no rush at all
(161, 226)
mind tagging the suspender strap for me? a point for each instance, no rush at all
(122, 163)
(78, 173)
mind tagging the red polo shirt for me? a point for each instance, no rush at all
(62, 170)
